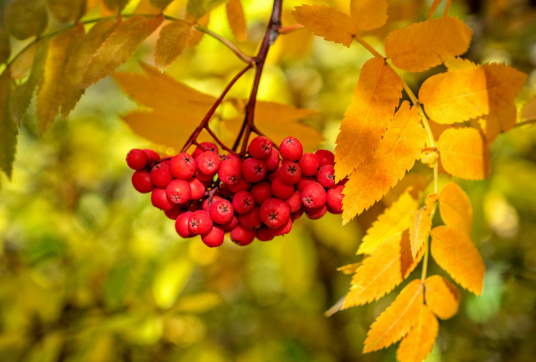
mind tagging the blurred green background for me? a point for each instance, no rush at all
(90, 271)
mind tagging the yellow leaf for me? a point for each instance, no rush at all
(393, 221)
(160, 4)
(396, 154)
(25, 18)
(380, 273)
(237, 20)
(173, 39)
(464, 153)
(175, 109)
(369, 14)
(420, 340)
(456, 63)
(419, 230)
(350, 268)
(326, 22)
(65, 11)
(421, 46)
(458, 96)
(51, 91)
(199, 8)
(112, 7)
(373, 104)
(198, 35)
(441, 296)
(529, 110)
(497, 122)
(396, 321)
(455, 208)
(120, 46)
(416, 181)
(455, 252)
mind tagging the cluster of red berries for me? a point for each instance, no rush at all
(256, 197)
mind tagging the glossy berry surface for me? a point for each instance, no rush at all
(178, 191)
(309, 164)
(291, 149)
(260, 148)
(221, 211)
(137, 159)
(253, 170)
(326, 176)
(141, 180)
(208, 163)
(325, 157)
(314, 195)
(183, 166)
(214, 237)
(200, 222)
(274, 213)
(160, 200)
(290, 173)
(161, 175)
(242, 236)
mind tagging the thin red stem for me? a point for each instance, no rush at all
(222, 145)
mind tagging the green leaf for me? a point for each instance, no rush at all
(8, 129)
(198, 8)
(65, 11)
(26, 18)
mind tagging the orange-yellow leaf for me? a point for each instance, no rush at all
(25, 18)
(373, 104)
(416, 183)
(456, 63)
(396, 154)
(120, 46)
(171, 43)
(433, 8)
(50, 93)
(455, 208)
(198, 35)
(350, 268)
(67, 10)
(455, 252)
(458, 96)
(199, 8)
(498, 121)
(393, 221)
(112, 7)
(464, 153)
(380, 273)
(326, 22)
(441, 296)
(419, 230)
(529, 110)
(420, 339)
(396, 321)
(237, 20)
(369, 14)
(424, 45)
(160, 4)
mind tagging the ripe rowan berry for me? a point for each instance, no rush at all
(261, 191)
(230, 171)
(316, 213)
(161, 175)
(159, 200)
(243, 202)
(200, 222)
(206, 179)
(141, 180)
(294, 202)
(221, 211)
(274, 213)
(231, 224)
(178, 191)
(281, 190)
(272, 163)
(253, 170)
(326, 176)
(174, 213)
(208, 163)
(250, 220)
(182, 225)
(207, 202)
(241, 185)
(264, 234)
(242, 236)
(203, 147)
(325, 157)
(153, 155)
(197, 189)
(290, 173)
(304, 181)
(214, 237)
(260, 148)
(183, 166)
(334, 199)
(283, 230)
(291, 149)
(296, 215)
(137, 159)
(313, 195)
(309, 164)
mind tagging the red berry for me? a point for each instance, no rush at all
(141, 180)
(291, 149)
(205, 146)
(197, 189)
(207, 203)
(253, 170)
(200, 222)
(325, 157)
(316, 213)
(281, 190)
(304, 181)
(242, 236)
(283, 230)
(334, 199)
(241, 185)
(326, 176)
(214, 237)
(194, 206)
(243, 202)
(137, 159)
(178, 191)
(208, 163)
(274, 213)
(250, 220)
(294, 202)
(273, 175)
(159, 200)
(161, 175)
(260, 148)
(290, 173)
(153, 156)
(221, 211)
(273, 162)
(313, 195)
(309, 164)
(296, 215)
(230, 171)
(182, 225)
(231, 224)
(261, 191)
(183, 166)
(174, 213)
(264, 233)
(206, 179)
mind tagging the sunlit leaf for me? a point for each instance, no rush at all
(26, 18)
(441, 296)
(160, 4)
(8, 128)
(497, 122)
(114, 6)
(198, 35)
(373, 104)
(455, 208)
(529, 110)
(171, 43)
(420, 339)
(456, 63)
(419, 229)
(65, 11)
(455, 252)
(369, 14)
(198, 8)
(350, 268)
(237, 20)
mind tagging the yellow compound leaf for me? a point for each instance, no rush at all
(458, 96)
(413, 180)
(25, 18)
(497, 122)
(174, 108)
(380, 273)
(369, 14)
(65, 11)
(419, 230)
(198, 35)
(420, 340)
(174, 38)
(457, 63)
(350, 268)
(113, 6)
(529, 110)
(50, 93)
(421, 46)
(396, 321)
(455, 208)
(199, 8)
(455, 252)
(375, 98)
(237, 20)
(392, 222)
(160, 4)
(396, 154)
(120, 46)
(464, 153)
(326, 22)
(441, 296)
